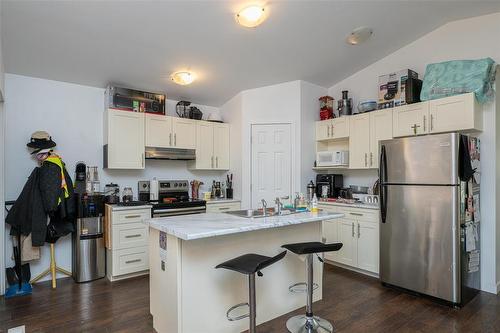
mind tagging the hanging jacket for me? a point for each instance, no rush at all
(48, 192)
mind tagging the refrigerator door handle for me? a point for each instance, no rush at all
(383, 187)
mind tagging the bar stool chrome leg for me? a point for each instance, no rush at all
(252, 303)
(309, 323)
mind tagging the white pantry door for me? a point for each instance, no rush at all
(271, 163)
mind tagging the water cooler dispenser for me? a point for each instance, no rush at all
(89, 253)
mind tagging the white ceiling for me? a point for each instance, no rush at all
(139, 43)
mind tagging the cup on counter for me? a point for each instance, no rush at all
(207, 195)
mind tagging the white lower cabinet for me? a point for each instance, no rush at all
(358, 231)
(127, 240)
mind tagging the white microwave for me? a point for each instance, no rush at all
(332, 158)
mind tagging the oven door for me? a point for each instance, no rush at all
(179, 211)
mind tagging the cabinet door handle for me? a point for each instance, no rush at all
(366, 159)
(142, 157)
(359, 231)
(371, 159)
(212, 163)
(332, 129)
(170, 139)
(425, 120)
(432, 122)
(133, 236)
(216, 161)
(352, 225)
(224, 208)
(328, 131)
(132, 216)
(356, 214)
(175, 139)
(132, 261)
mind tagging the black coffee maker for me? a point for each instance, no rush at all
(334, 184)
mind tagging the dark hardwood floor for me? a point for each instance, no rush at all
(354, 302)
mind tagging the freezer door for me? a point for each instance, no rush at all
(419, 240)
(430, 159)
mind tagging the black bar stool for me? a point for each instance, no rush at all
(249, 264)
(310, 323)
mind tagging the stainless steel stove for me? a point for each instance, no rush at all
(172, 198)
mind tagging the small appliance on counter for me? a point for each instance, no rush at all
(311, 189)
(80, 177)
(332, 158)
(326, 107)
(346, 193)
(127, 195)
(329, 185)
(89, 259)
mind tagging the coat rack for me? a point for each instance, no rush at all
(53, 269)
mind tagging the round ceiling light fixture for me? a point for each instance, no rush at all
(251, 16)
(183, 78)
(359, 35)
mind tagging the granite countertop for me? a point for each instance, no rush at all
(117, 208)
(216, 201)
(189, 227)
(353, 205)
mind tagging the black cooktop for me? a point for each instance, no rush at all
(179, 204)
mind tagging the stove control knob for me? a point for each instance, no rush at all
(185, 184)
(175, 184)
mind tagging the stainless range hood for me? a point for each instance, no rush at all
(153, 153)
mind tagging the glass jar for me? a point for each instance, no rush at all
(127, 195)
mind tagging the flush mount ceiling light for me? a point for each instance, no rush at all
(183, 78)
(251, 16)
(359, 35)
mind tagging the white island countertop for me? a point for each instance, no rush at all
(189, 227)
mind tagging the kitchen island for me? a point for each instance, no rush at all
(187, 293)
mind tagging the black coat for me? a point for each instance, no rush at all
(39, 199)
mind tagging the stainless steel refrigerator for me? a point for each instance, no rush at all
(429, 231)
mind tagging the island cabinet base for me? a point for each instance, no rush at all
(188, 295)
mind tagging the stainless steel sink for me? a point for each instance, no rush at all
(258, 213)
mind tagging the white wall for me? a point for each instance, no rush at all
(231, 112)
(272, 104)
(465, 39)
(309, 114)
(72, 114)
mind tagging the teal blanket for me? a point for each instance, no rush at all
(458, 77)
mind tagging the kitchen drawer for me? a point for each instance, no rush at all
(127, 235)
(369, 215)
(131, 216)
(223, 207)
(328, 208)
(131, 260)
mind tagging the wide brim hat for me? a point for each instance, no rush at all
(41, 140)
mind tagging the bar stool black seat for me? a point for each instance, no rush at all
(249, 264)
(309, 323)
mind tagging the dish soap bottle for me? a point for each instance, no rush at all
(314, 204)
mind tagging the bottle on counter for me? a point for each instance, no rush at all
(314, 204)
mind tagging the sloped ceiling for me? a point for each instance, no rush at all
(140, 43)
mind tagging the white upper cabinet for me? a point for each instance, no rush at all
(221, 146)
(123, 140)
(158, 131)
(337, 128)
(359, 141)
(212, 146)
(184, 133)
(380, 129)
(455, 113)
(411, 119)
